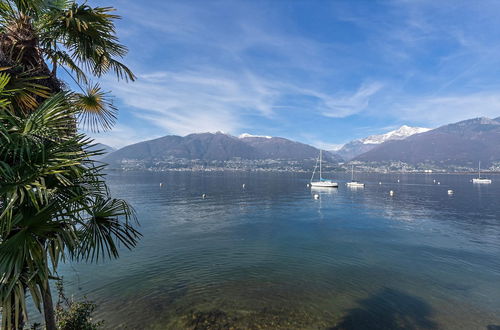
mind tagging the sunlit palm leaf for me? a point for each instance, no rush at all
(96, 109)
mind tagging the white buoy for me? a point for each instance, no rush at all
(391, 193)
(434, 181)
(398, 180)
(316, 196)
(307, 185)
(450, 192)
(243, 186)
(380, 182)
(439, 182)
(161, 184)
(203, 196)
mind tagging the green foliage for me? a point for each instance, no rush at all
(54, 202)
(76, 37)
(71, 314)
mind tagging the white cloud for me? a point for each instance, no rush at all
(197, 101)
(211, 100)
(346, 105)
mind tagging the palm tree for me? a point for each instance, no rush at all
(54, 203)
(77, 38)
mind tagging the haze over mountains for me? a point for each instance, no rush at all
(463, 143)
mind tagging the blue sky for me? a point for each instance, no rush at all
(320, 72)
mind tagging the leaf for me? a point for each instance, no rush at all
(96, 109)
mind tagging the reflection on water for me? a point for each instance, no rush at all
(269, 255)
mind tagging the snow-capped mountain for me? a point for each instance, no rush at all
(360, 146)
(463, 143)
(399, 134)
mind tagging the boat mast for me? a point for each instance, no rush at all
(479, 171)
(352, 172)
(320, 160)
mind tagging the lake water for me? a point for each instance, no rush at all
(270, 256)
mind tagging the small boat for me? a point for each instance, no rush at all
(322, 183)
(479, 179)
(353, 183)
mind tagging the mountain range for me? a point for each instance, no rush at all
(357, 147)
(463, 143)
(216, 147)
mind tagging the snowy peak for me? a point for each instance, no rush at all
(246, 135)
(401, 133)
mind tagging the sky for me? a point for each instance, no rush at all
(315, 71)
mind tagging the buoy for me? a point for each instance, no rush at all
(434, 181)
(161, 184)
(391, 193)
(450, 192)
(398, 180)
(380, 182)
(439, 182)
(203, 196)
(316, 196)
(307, 185)
(243, 186)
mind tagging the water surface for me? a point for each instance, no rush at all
(272, 256)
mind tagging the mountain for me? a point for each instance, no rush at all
(357, 147)
(462, 143)
(281, 148)
(103, 148)
(215, 147)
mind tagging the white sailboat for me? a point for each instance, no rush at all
(322, 183)
(353, 183)
(479, 179)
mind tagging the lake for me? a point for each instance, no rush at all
(270, 256)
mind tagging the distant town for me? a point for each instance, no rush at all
(277, 165)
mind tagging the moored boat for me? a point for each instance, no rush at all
(479, 179)
(322, 183)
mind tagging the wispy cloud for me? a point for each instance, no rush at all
(347, 105)
(196, 101)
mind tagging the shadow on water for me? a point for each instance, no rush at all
(388, 309)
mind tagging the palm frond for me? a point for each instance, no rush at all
(89, 34)
(23, 89)
(95, 109)
(102, 233)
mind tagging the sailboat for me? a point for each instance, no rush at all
(479, 179)
(322, 183)
(353, 183)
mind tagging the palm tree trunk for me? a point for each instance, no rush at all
(48, 308)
